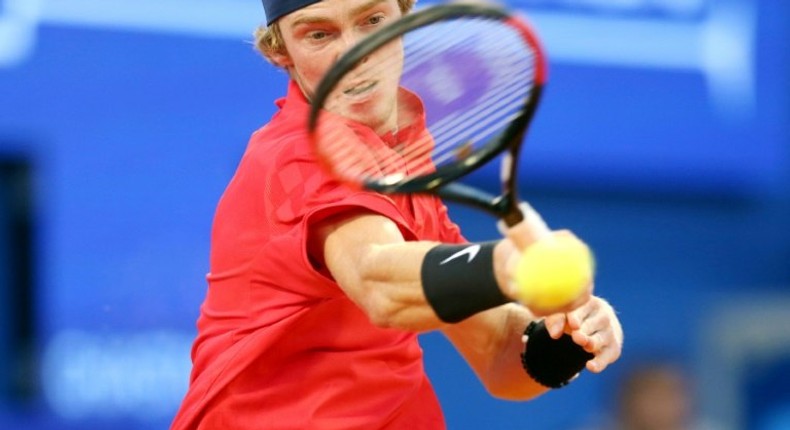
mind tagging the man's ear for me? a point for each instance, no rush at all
(282, 59)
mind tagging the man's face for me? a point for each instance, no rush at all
(317, 35)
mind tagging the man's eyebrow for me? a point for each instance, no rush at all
(363, 7)
(309, 20)
(320, 19)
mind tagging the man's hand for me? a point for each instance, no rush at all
(595, 327)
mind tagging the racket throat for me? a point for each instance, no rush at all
(507, 204)
(512, 215)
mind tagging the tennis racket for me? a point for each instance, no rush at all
(430, 98)
(473, 76)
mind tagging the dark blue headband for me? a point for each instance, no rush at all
(276, 9)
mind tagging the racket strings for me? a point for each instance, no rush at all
(454, 133)
(511, 69)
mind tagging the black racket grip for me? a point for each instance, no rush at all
(551, 362)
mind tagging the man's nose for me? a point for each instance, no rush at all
(348, 41)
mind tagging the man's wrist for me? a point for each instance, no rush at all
(460, 280)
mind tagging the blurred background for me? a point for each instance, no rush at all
(663, 140)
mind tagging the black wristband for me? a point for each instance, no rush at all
(459, 280)
(552, 362)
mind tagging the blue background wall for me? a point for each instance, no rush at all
(662, 140)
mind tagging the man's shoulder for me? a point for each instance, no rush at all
(279, 141)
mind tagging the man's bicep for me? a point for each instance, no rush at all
(341, 244)
(368, 256)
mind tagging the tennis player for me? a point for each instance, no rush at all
(317, 292)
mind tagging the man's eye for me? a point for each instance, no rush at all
(317, 35)
(375, 19)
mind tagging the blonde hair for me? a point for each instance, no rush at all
(269, 40)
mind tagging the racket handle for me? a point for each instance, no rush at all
(530, 230)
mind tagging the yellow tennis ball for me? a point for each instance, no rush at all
(554, 272)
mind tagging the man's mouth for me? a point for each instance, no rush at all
(360, 88)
